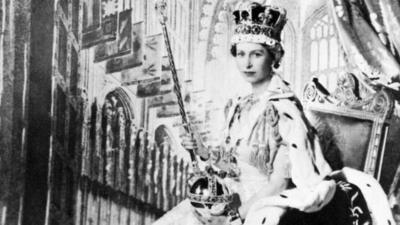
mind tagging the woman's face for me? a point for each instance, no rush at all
(253, 61)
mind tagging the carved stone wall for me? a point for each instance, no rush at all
(126, 177)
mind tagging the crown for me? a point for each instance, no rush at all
(258, 23)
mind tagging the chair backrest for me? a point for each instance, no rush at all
(352, 123)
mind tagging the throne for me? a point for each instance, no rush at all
(357, 126)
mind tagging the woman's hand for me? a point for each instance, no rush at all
(188, 142)
(304, 200)
(192, 142)
(319, 197)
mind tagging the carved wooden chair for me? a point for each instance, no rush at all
(357, 128)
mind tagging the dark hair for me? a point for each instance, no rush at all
(276, 54)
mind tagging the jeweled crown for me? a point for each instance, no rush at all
(258, 23)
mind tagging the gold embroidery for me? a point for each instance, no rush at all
(265, 140)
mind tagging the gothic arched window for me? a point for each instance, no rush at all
(323, 55)
(111, 128)
(115, 140)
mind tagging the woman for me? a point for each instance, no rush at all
(283, 176)
(266, 170)
(278, 154)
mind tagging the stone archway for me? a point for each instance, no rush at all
(110, 132)
(116, 132)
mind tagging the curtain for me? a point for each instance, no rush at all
(369, 32)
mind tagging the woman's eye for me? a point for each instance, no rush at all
(258, 54)
(241, 54)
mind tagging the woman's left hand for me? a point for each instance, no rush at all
(319, 197)
(304, 200)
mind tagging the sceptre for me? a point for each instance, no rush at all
(161, 7)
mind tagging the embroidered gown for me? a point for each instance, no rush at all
(272, 142)
(275, 142)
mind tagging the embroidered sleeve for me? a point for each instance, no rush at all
(279, 159)
(265, 141)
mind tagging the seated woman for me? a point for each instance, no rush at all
(283, 174)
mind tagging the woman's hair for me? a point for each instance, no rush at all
(276, 52)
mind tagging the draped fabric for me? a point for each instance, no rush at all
(369, 33)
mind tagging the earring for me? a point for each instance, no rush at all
(276, 64)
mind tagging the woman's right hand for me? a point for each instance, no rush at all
(188, 142)
(193, 142)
